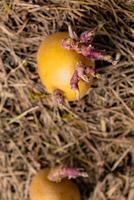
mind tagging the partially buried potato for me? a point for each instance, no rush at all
(66, 64)
(63, 70)
(43, 189)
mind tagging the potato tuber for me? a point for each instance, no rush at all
(42, 188)
(63, 72)
(66, 64)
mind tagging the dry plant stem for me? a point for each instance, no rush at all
(72, 33)
(58, 173)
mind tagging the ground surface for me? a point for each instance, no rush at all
(96, 133)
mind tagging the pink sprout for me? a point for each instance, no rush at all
(90, 52)
(83, 46)
(87, 36)
(59, 96)
(58, 173)
(81, 72)
(74, 80)
(68, 43)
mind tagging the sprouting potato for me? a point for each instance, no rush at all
(63, 71)
(41, 188)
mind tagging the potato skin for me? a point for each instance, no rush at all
(43, 189)
(56, 66)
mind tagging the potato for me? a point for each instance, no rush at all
(56, 66)
(43, 189)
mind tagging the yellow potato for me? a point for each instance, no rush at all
(56, 66)
(43, 189)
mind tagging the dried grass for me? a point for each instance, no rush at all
(96, 133)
